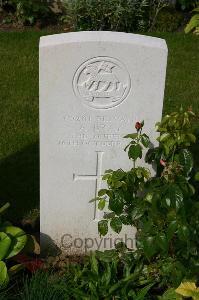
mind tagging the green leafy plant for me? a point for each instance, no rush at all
(117, 15)
(12, 241)
(164, 208)
(170, 294)
(167, 20)
(124, 188)
(41, 286)
(188, 289)
(156, 6)
(111, 274)
(193, 24)
(29, 11)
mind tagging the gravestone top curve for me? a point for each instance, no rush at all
(104, 36)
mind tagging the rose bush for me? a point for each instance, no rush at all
(163, 208)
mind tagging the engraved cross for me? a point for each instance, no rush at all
(97, 178)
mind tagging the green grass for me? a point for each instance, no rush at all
(182, 83)
(19, 134)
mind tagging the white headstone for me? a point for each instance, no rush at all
(94, 86)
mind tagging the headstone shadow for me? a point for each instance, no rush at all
(48, 246)
(19, 182)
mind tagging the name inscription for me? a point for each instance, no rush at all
(87, 130)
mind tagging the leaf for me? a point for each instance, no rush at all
(102, 192)
(168, 202)
(132, 294)
(107, 255)
(178, 196)
(101, 204)
(193, 23)
(15, 269)
(116, 224)
(4, 207)
(127, 147)
(162, 242)
(163, 137)
(103, 227)
(108, 171)
(143, 292)
(139, 172)
(197, 176)
(116, 203)
(5, 242)
(95, 199)
(107, 175)
(106, 276)
(117, 184)
(121, 247)
(3, 275)
(186, 160)
(191, 189)
(118, 175)
(131, 136)
(153, 154)
(171, 230)
(170, 294)
(149, 246)
(149, 197)
(183, 232)
(109, 215)
(135, 152)
(18, 238)
(196, 9)
(125, 220)
(175, 195)
(188, 289)
(137, 213)
(145, 140)
(191, 137)
(94, 263)
(121, 282)
(32, 245)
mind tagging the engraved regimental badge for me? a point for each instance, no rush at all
(102, 82)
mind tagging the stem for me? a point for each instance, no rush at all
(158, 9)
(4, 207)
(174, 150)
(139, 134)
(134, 163)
